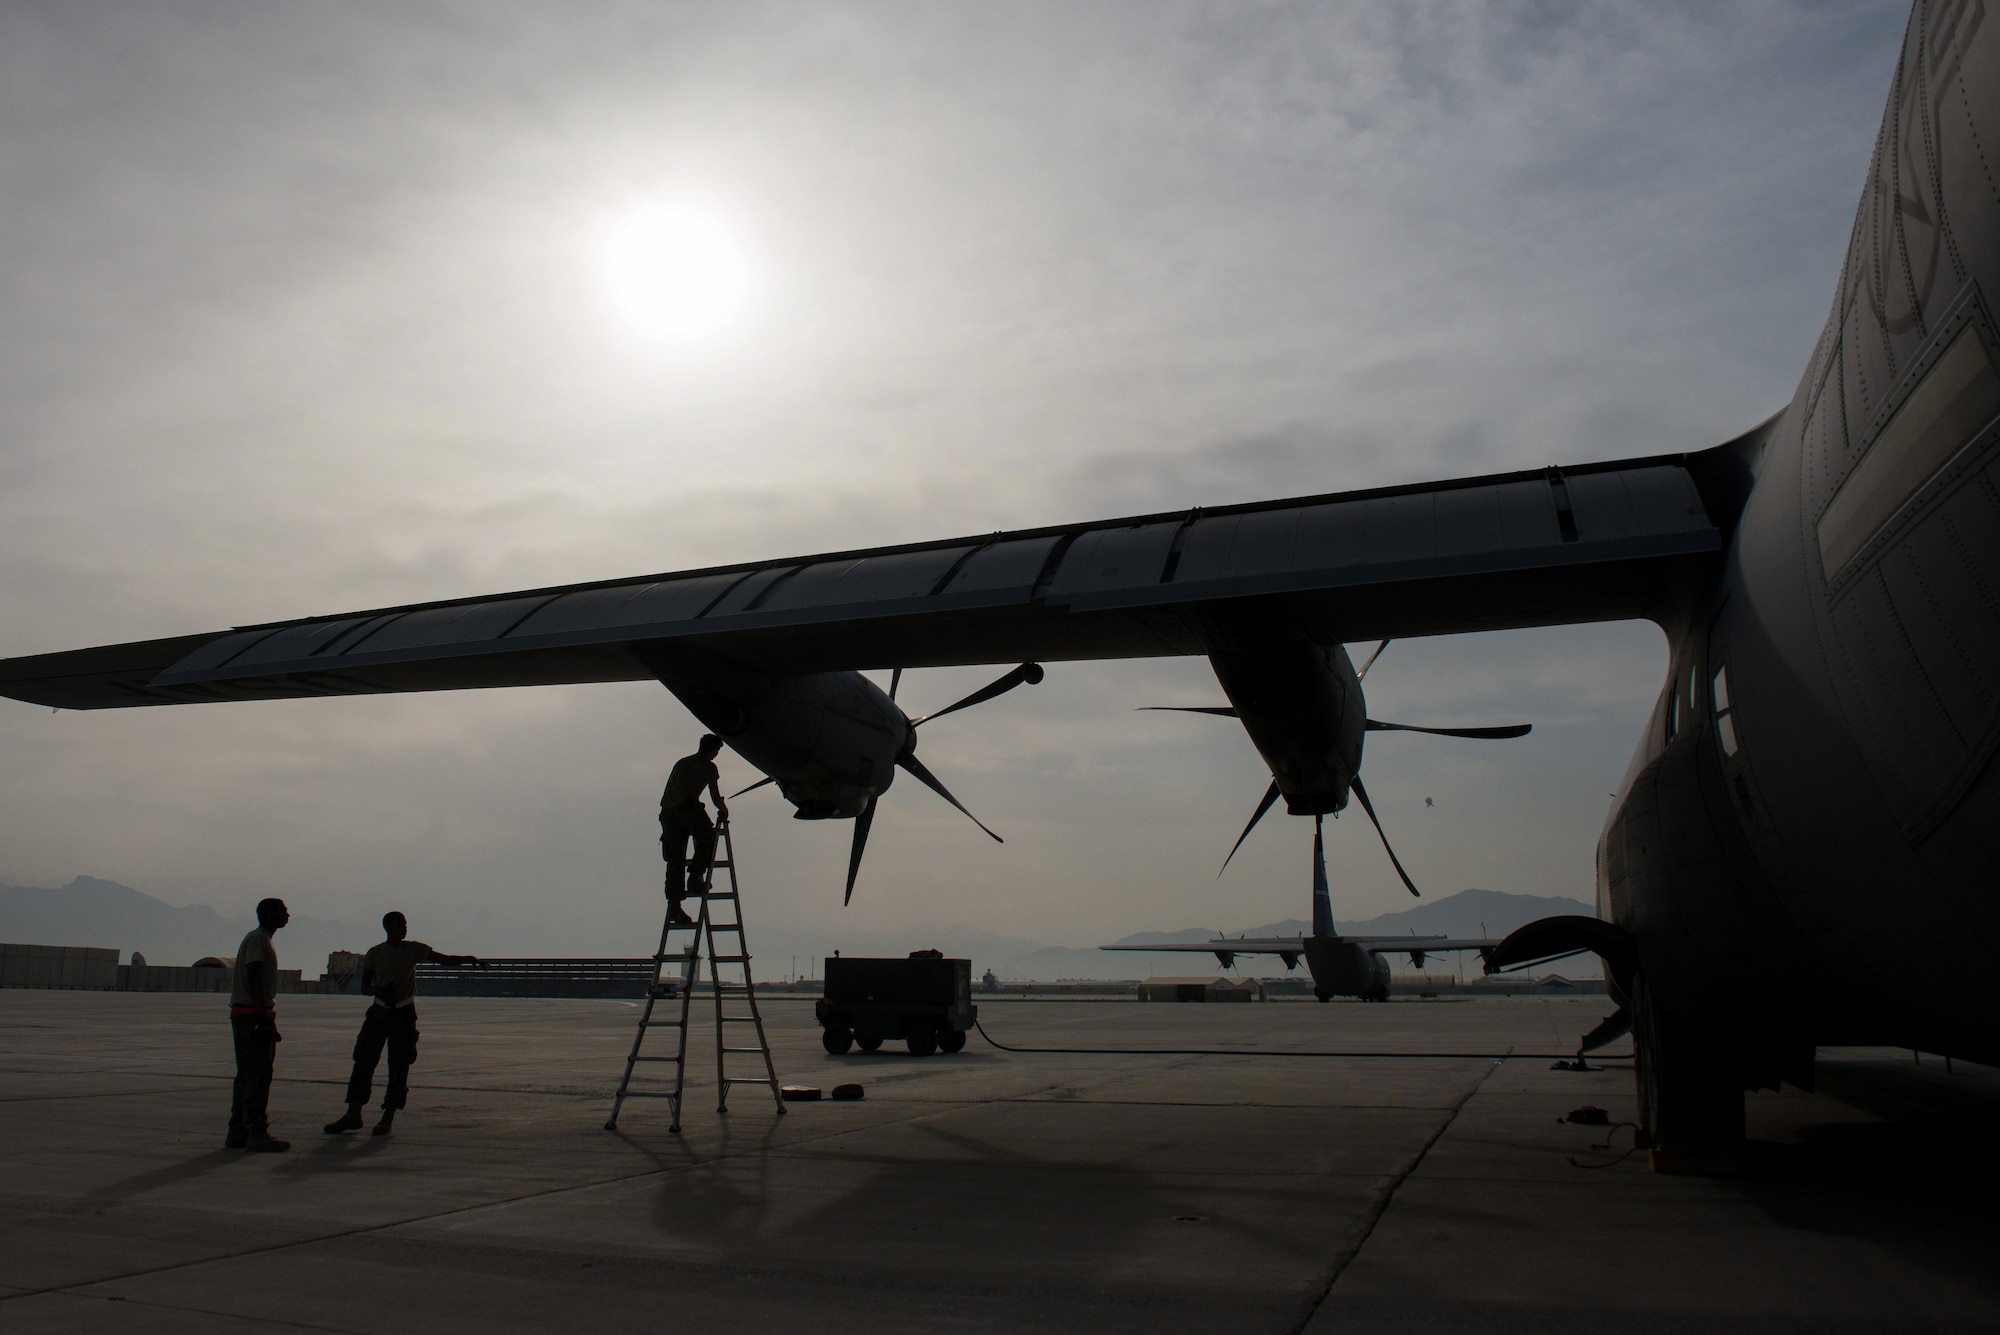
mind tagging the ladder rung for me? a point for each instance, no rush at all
(747, 1080)
(648, 1094)
(727, 1050)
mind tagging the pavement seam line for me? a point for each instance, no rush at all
(1377, 1207)
(156, 1305)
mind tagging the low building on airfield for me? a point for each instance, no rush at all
(1214, 988)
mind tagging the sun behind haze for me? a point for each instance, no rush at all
(674, 272)
(306, 308)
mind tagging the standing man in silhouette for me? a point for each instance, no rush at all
(682, 817)
(389, 974)
(253, 1024)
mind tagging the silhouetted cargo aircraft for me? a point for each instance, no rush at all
(1812, 803)
(1341, 966)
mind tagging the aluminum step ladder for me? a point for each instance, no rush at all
(677, 975)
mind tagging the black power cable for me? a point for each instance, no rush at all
(1266, 1052)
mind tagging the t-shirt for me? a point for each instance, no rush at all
(391, 969)
(689, 778)
(255, 952)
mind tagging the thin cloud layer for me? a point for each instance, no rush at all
(300, 315)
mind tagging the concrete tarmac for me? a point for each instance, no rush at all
(983, 1191)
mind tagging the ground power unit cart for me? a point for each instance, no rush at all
(925, 1000)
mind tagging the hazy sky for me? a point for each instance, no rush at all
(300, 311)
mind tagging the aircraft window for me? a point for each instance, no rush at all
(1725, 724)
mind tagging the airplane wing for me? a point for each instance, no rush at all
(1592, 543)
(1290, 948)
(1226, 949)
(1422, 945)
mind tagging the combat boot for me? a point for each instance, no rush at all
(262, 1142)
(347, 1121)
(387, 1124)
(236, 1140)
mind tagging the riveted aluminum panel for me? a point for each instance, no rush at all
(1331, 536)
(746, 592)
(435, 627)
(1528, 514)
(650, 603)
(1239, 545)
(1005, 567)
(1113, 558)
(1601, 507)
(1402, 528)
(1468, 522)
(870, 579)
(1664, 500)
(218, 652)
(294, 642)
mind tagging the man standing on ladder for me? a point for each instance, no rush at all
(682, 817)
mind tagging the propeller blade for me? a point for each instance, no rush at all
(1270, 796)
(753, 787)
(895, 680)
(1029, 673)
(930, 781)
(1499, 733)
(1369, 807)
(861, 826)
(1220, 711)
(1371, 660)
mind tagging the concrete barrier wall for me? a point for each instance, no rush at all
(58, 966)
(97, 969)
(172, 978)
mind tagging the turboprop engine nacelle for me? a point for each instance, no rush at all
(1301, 704)
(829, 740)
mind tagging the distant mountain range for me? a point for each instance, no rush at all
(91, 912)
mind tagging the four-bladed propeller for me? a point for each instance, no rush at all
(1498, 733)
(1031, 673)
(1028, 674)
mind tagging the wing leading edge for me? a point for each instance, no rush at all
(1598, 542)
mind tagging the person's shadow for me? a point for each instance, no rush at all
(186, 1171)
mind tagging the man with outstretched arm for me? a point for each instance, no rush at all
(683, 818)
(389, 975)
(253, 1024)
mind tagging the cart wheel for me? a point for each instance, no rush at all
(837, 1039)
(868, 1044)
(923, 1040)
(952, 1040)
